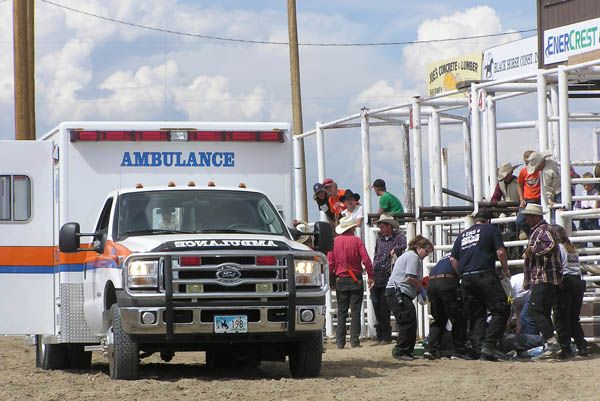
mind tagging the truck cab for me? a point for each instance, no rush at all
(208, 269)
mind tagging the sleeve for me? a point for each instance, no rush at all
(497, 196)
(526, 271)
(366, 260)
(412, 266)
(547, 178)
(563, 255)
(456, 248)
(498, 242)
(521, 177)
(331, 261)
(400, 245)
(383, 202)
(542, 242)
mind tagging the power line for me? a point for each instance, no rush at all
(265, 42)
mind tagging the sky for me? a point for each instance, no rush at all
(92, 69)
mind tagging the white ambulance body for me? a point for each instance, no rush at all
(73, 173)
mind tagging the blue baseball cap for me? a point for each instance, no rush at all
(317, 187)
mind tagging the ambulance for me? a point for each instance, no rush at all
(135, 238)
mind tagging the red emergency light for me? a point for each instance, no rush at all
(190, 261)
(266, 260)
(177, 136)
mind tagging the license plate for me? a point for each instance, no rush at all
(231, 324)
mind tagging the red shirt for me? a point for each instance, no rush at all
(347, 254)
(530, 184)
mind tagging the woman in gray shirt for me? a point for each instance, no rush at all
(403, 286)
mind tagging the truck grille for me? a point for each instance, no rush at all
(228, 275)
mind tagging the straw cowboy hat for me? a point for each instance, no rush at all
(506, 169)
(384, 218)
(533, 209)
(346, 223)
(535, 159)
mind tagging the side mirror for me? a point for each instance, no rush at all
(68, 238)
(296, 234)
(323, 237)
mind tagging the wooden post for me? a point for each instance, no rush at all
(31, 67)
(296, 95)
(23, 68)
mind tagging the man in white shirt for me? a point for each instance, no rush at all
(353, 209)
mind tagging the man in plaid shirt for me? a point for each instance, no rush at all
(389, 243)
(542, 274)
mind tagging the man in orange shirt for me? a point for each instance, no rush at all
(529, 191)
(335, 204)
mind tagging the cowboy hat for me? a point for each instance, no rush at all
(346, 223)
(506, 169)
(533, 209)
(535, 159)
(387, 219)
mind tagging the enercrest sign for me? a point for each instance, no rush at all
(569, 40)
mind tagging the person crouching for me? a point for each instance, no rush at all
(402, 288)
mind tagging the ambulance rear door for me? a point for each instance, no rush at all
(27, 253)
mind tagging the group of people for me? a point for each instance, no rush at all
(540, 178)
(338, 203)
(464, 288)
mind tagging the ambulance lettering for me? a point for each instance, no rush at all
(221, 243)
(178, 159)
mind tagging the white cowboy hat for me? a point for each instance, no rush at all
(385, 218)
(533, 209)
(535, 159)
(346, 223)
(505, 169)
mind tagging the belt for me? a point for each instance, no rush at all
(444, 275)
(476, 272)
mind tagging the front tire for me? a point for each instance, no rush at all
(306, 357)
(123, 352)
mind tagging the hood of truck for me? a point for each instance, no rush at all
(195, 242)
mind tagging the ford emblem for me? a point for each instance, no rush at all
(229, 273)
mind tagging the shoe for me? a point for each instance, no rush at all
(566, 355)
(582, 351)
(375, 343)
(492, 354)
(551, 351)
(385, 342)
(461, 356)
(340, 346)
(405, 358)
(355, 345)
(430, 356)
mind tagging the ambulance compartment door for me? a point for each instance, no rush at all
(27, 253)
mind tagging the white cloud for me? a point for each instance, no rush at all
(476, 21)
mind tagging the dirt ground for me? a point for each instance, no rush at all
(367, 373)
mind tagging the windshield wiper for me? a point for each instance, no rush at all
(156, 231)
(229, 230)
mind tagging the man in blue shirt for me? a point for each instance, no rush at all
(474, 258)
(442, 293)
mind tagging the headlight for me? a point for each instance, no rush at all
(142, 274)
(308, 272)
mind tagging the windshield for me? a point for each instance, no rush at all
(198, 211)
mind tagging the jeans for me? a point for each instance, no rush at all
(444, 306)
(541, 300)
(404, 311)
(349, 295)
(528, 326)
(481, 293)
(383, 328)
(566, 312)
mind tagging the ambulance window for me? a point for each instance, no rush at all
(22, 200)
(5, 198)
(105, 216)
(15, 198)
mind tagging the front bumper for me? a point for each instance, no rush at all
(131, 318)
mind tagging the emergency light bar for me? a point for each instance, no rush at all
(177, 136)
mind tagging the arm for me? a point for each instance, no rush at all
(331, 261)
(414, 282)
(497, 196)
(542, 242)
(454, 264)
(366, 261)
(400, 245)
(547, 192)
(526, 272)
(501, 252)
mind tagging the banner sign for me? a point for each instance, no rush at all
(442, 76)
(565, 41)
(510, 59)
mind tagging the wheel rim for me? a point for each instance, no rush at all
(110, 346)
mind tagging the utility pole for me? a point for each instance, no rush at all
(297, 128)
(23, 39)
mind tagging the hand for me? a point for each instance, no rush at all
(522, 203)
(506, 273)
(526, 286)
(551, 203)
(370, 283)
(392, 253)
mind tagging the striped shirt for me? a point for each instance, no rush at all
(542, 262)
(382, 262)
